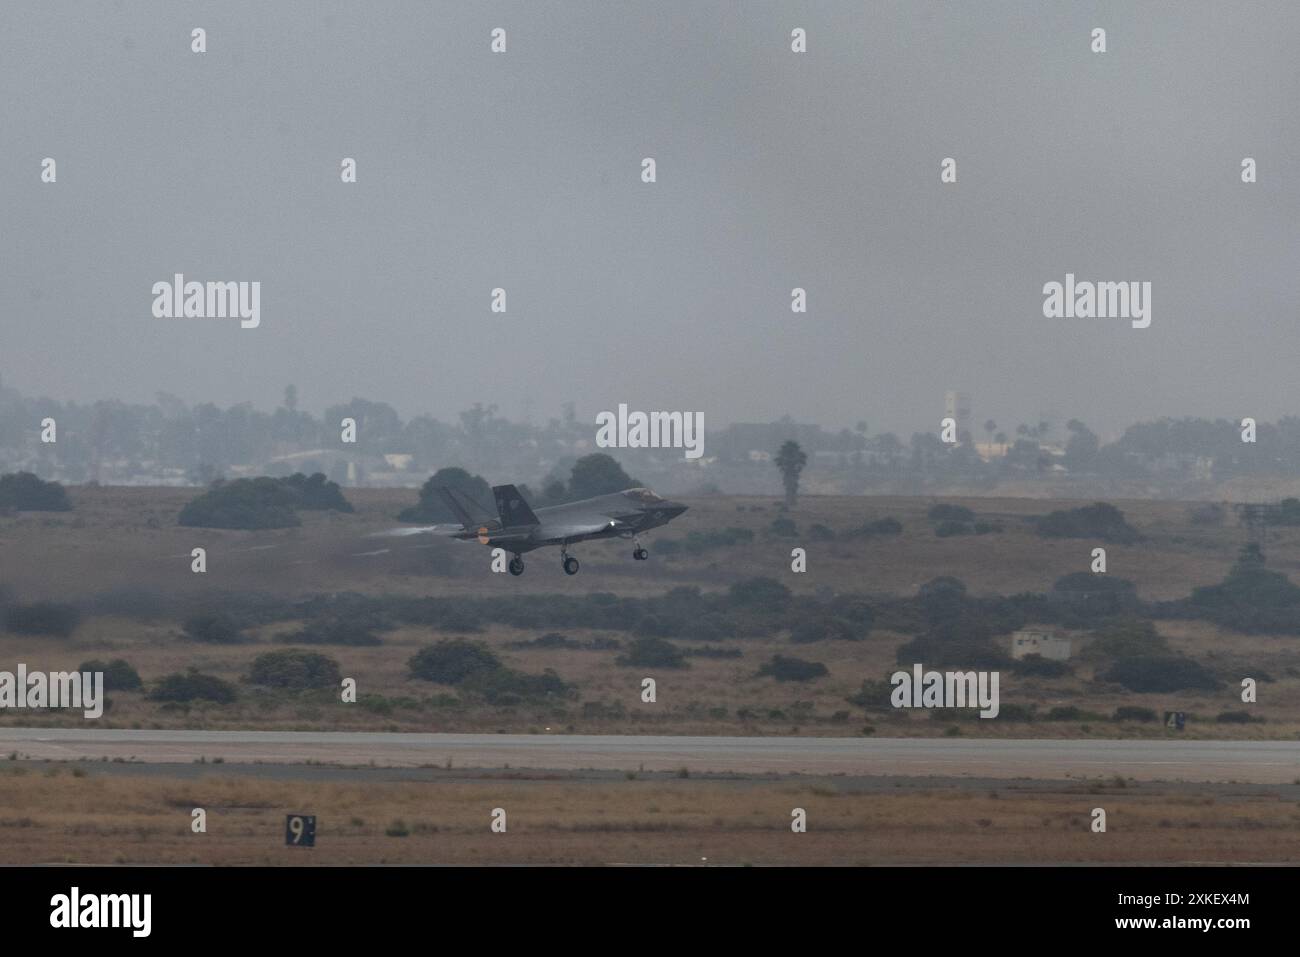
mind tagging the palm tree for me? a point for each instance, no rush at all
(791, 460)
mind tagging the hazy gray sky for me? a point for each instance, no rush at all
(775, 170)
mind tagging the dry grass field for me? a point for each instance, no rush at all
(126, 815)
(127, 538)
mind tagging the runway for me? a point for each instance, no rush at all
(1257, 762)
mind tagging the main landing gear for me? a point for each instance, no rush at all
(570, 563)
(516, 565)
(639, 553)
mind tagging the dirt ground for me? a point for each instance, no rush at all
(124, 814)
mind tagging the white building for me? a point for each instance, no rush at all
(1039, 643)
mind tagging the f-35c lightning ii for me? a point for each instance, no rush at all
(518, 529)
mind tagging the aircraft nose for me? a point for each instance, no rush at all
(675, 508)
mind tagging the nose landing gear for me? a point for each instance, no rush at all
(570, 563)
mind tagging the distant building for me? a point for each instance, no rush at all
(1042, 643)
(956, 406)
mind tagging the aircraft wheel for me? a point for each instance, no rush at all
(570, 566)
(516, 566)
(640, 554)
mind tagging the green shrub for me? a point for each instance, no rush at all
(42, 618)
(883, 526)
(1161, 673)
(506, 686)
(653, 653)
(783, 668)
(215, 627)
(759, 594)
(317, 493)
(337, 631)
(1071, 713)
(1127, 638)
(1130, 712)
(454, 661)
(783, 528)
(243, 504)
(1099, 521)
(294, 669)
(824, 628)
(950, 513)
(431, 508)
(873, 695)
(24, 492)
(193, 686)
(1016, 712)
(118, 675)
(1039, 667)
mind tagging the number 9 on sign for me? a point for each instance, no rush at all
(300, 830)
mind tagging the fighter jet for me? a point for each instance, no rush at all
(518, 529)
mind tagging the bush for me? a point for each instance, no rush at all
(338, 631)
(1211, 514)
(193, 686)
(431, 508)
(42, 618)
(1071, 713)
(214, 627)
(295, 670)
(873, 696)
(1237, 717)
(653, 653)
(1127, 638)
(317, 493)
(243, 504)
(1098, 521)
(24, 492)
(709, 627)
(506, 686)
(1130, 712)
(950, 513)
(696, 543)
(1037, 666)
(759, 594)
(1090, 596)
(118, 675)
(949, 529)
(1161, 673)
(454, 661)
(883, 526)
(783, 668)
(1252, 598)
(1016, 712)
(820, 533)
(823, 629)
(958, 651)
(783, 528)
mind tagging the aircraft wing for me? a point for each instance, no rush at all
(575, 529)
